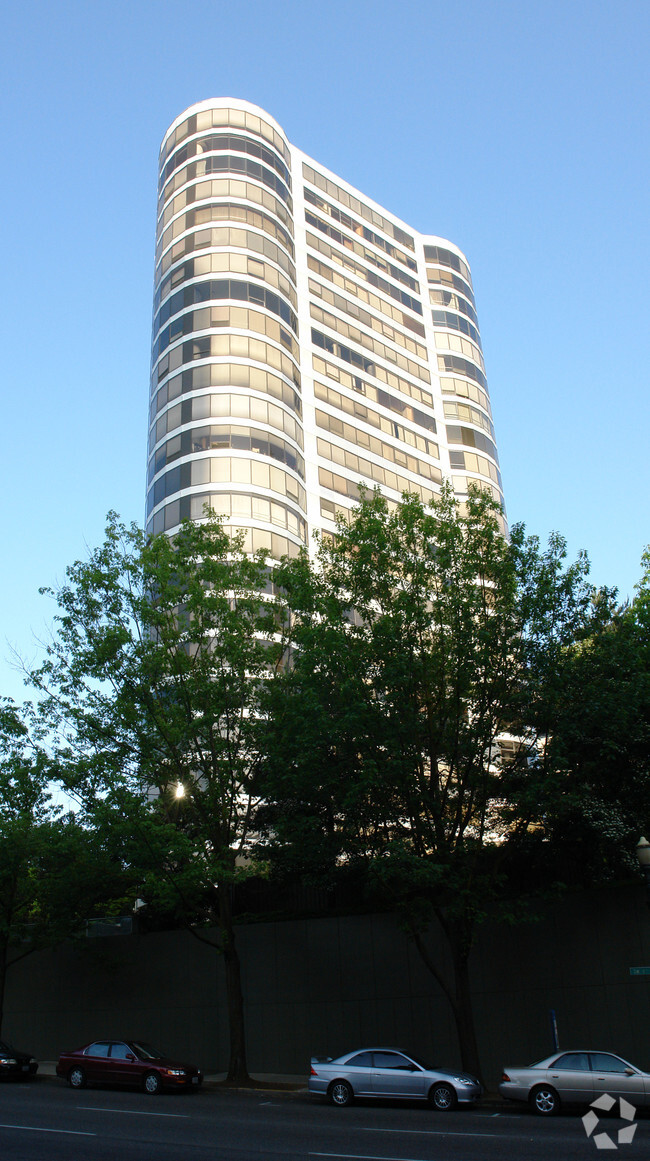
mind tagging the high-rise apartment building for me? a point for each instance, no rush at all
(304, 340)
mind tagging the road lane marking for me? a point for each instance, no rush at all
(33, 1129)
(364, 1156)
(430, 1132)
(132, 1112)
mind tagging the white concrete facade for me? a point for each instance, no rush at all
(304, 340)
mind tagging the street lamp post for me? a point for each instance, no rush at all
(643, 855)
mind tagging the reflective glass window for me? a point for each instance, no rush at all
(357, 206)
(448, 278)
(211, 291)
(361, 250)
(454, 410)
(455, 301)
(392, 1060)
(453, 386)
(444, 257)
(220, 212)
(456, 322)
(358, 228)
(387, 451)
(120, 1051)
(462, 367)
(216, 118)
(576, 1061)
(356, 383)
(364, 340)
(202, 346)
(202, 215)
(364, 295)
(351, 307)
(471, 438)
(607, 1062)
(226, 262)
(222, 142)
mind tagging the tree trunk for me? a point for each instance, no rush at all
(464, 1012)
(237, 1066)
(459, 993)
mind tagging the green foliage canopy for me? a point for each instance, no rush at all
(152, 684)
(422, 638)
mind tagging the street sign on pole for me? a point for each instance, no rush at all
(556, 1041)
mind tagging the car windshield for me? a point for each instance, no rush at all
(145, 1051)
(4, 1047)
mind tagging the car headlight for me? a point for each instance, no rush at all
(7, 1060)
(465, 1080)
(175, 1071)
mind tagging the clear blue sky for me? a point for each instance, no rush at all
(516, 129)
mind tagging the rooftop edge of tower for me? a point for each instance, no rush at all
(426, 239)
(258, 111)
(224, 103)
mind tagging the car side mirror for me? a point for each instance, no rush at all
(130, 1056)
(630, 1072)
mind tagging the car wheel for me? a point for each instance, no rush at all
(152, 1083)
(340, 1093)
(443, 1098)
(77, 1078)
(544, 1100)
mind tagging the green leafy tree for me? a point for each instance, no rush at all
(420, 638)
(600, 747)
(25, 811)
(152, 683)
(54, 873)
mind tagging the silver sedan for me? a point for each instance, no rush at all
(575, 1078)
(389, 1072)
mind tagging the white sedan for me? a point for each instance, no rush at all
(575, 1078)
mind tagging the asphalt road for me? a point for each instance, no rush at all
(49, 1122)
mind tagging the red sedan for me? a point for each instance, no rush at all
(126, 1062)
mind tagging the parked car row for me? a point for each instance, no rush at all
(575, 1077)
(563, 1078)
(116, 1062)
